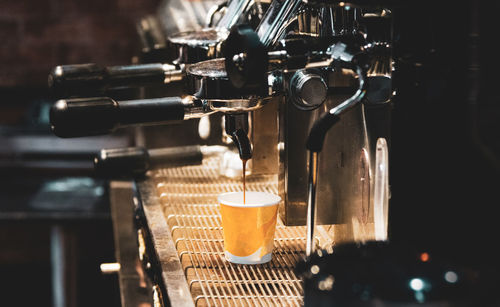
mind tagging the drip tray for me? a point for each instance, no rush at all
(187, 197)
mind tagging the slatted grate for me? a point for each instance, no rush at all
(189, 200)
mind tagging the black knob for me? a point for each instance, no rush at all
(246, 58)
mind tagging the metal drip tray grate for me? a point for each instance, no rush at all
(188, 197)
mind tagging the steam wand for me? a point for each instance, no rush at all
(315, 144)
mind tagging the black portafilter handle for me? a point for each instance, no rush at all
(93, 79)
(134, 162)
(102, 115)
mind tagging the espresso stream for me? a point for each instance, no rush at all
(244, 179)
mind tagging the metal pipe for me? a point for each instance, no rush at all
(279, 15)
(62, 256)
(235, 10)
(355, 99)
(311, 201)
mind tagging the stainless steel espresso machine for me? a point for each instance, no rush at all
(299, 85)
(305, 97)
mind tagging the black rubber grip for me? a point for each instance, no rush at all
(102, 115)
(134, 162)
(318, 131)
(92, 79)
(175, 156)
(151, 111)
(136, 75)
(84, 117)
(128, 162)
(75, 79)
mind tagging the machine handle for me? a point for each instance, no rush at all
(133, 162)
(102, 115)
(122, 162)
(318, 132)
(92, 79)
(176, 156)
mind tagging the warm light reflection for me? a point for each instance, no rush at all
(424, 257)
(315, 269)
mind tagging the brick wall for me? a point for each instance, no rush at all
(36, 35)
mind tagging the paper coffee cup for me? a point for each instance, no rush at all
(248, 227)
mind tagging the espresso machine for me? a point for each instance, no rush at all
(306, 96)
(271, 85)
(296, 89)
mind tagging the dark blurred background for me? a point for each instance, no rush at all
(52, 209)
(445, 154)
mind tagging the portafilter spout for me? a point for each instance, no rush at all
(236, 126)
